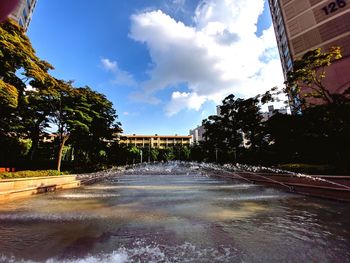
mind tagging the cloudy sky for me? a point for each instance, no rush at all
(165, 64)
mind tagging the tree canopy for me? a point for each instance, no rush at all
(307, 77)
(33, 102)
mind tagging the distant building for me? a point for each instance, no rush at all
(197, 134)
(272, 111)
(155, 141)
(48, 138)
(23, 13)
(303, 25)
(218, 110)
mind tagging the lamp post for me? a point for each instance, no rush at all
(141, 155)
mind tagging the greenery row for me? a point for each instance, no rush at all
(28, 174)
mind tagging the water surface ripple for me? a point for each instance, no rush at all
(174, 213)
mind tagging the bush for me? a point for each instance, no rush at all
(26, 174)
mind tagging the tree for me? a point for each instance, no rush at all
(36, 114)
(309, 72)
(101, 128)
(19, 67)
(17, 57)
(154, 154)
(70, 115)
(197, 152)
(215, 136)
(166, 154)
(185, 153)
(31, 100)
(134, 153)
(239, 125)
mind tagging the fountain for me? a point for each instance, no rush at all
(173, 212)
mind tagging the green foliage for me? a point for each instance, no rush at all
(319, 135)
(198, 152)
(8, 96)
(166, 154)
(134, 151)
(240, 119)
(309, 72)
(12, 149)
(154, 154)
(185, 153)
(17, 53)
(27, 174)
(85, 118)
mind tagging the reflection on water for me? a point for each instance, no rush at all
(183, 215)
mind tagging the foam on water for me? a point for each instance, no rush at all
(85, 196)
(48, 217)
(251, 198)
(142, 252)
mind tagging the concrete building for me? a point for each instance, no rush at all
(302, 25)
(155, 141)
(272, 111)
(197, 134)
(23, 13)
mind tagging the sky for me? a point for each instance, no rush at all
(165, 64)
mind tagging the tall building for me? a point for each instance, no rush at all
(302, 25)
(23, 13)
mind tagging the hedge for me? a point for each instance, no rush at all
(26, 174)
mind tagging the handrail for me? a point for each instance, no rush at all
(314, 177)
(274, 181)
(241, 177)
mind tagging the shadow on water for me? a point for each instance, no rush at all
(173, 213)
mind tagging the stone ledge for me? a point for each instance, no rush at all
(11, 189)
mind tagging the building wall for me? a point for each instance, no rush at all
(155, 141)
(23, 13)
(197, 134)
(310, 24)
(271, 112)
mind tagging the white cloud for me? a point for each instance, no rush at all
(219, 55)
(121, 77)
(183, 100)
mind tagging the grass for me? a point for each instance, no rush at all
(28, 174)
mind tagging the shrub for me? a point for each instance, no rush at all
(26, 174)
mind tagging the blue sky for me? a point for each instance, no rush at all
(165, 64)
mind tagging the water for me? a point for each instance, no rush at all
(174, 213)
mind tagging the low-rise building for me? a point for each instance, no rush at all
(155, 141)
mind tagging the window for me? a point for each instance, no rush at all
(25, 15)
